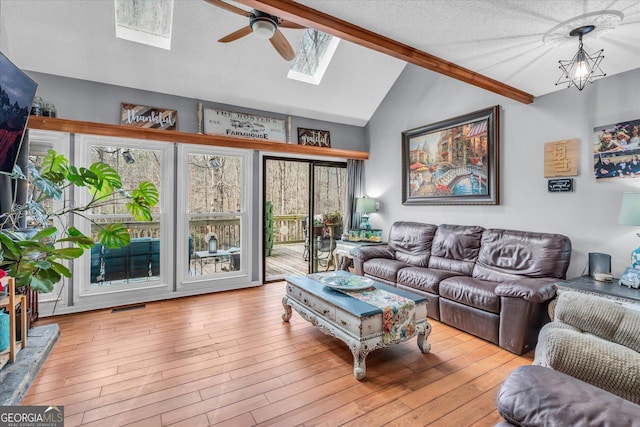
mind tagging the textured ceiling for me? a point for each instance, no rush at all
(498, 38)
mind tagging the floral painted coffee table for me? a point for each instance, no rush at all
(365, 314)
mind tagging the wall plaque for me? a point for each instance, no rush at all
(561, 158)
(560, 185)
(319, 138)
(142, 116)
(243, 125)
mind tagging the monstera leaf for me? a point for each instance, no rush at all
(37, 257)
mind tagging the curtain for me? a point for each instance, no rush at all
(355, 188)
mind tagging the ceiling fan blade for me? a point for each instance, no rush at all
(228, 7)
(281, 44)
(283, 23)
(236, 35)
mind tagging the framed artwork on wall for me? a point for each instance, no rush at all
(616, 149)
(453, 162)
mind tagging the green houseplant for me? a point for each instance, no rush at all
(334, 217)
(35, 256)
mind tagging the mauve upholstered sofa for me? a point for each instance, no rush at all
(492, 283)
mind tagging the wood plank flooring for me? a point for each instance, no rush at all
(227, 359)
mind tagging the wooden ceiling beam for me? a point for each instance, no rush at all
(312, 18)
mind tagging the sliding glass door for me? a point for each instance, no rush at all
(299, 198)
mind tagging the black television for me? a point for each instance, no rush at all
(17, 91)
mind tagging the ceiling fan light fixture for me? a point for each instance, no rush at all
(263, 25)
(582, 68)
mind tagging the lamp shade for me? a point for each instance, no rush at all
(365, 205)
(630, 209)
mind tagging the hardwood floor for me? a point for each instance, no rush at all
(227, 359)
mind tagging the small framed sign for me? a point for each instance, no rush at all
(560, 185)
(142, 116)
(319, 138)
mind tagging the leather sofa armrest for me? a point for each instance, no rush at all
(534, 290)
(539, 396)
(367, 252)
(364, 253)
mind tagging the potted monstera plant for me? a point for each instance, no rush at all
(36, 256)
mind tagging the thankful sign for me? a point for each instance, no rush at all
(142, 116)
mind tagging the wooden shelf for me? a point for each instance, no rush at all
(91, 128)
(10, 303)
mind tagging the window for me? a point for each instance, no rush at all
(313, 56)
(144, 21)
(215, 188)
(146, 262)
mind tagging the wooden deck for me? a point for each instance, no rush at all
(227, 359)
(286, 259)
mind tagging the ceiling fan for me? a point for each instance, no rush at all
(263, 25)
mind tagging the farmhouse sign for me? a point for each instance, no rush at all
(319, 138)
(243, 125)
(142, 116)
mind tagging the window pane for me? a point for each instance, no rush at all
(224, 253)
(140, 260)
(214, 183)
(134, 166)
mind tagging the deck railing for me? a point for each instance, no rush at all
(286, 229)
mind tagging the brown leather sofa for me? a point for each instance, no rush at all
(492, 283)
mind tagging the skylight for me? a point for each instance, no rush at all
(145, 21)
(313, 56)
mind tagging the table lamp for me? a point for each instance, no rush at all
(630, 215)
(365, 205)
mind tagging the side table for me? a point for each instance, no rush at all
(342, 252)
(610, 290)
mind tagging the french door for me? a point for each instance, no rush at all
(298, 196)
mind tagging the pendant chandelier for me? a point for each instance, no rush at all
(582, 68)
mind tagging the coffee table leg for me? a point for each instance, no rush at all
(287, 309)
(359, 367)
(423, 334)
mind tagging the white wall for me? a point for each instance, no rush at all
(588, 216)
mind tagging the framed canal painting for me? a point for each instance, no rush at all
(453, 162)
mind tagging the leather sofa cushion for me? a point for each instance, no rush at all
(424, 279)
(386, 269)
(538, 396)
(456, 248)
(508, 254)
(473, 292)
(477, 322)
(412, 241)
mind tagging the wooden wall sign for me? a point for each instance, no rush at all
(561, 158)
(141, 116)
(243, 125)
(319, 138)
